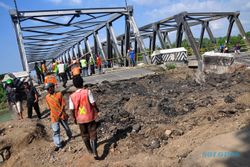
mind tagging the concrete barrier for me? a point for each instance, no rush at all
(218, 63)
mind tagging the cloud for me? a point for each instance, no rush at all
(75, 2)
(169, 8)
(5, 6)
(148, 2)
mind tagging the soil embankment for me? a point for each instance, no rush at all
(156, 120)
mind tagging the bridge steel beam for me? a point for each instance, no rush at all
(182, 23)
(203, 27)
(109, 48)
(154, 38)
(241, 29)
(115, 43)
(127, 34)
(160, 36)
(140, 42)
(99, 45)
(230, 27)
(167, 39)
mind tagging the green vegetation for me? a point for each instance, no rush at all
(207, 44)
(3, 98)
(171, 66)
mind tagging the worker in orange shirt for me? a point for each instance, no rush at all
(75, 69)
(58, 115)
(99, 63)
(50, 78)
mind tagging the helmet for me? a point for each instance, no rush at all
(9, 81)
(48, 85)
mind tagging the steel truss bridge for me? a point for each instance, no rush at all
(63, 34)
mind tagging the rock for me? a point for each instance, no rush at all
(136, 128)
(1, 159)
(6, 154)
(240, 106)
(177, 132)
(228, 111)
(209, 118)
(168, 133)
(247, 110)
(166, 107)
(229, 99)
(10, 126)
(155, 144)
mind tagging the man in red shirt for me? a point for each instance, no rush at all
(99, 63)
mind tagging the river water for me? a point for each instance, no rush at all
(6, 115)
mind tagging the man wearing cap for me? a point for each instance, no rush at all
(58, 115)
(14, 98)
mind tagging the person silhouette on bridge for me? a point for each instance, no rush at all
(132, 56)
(38, 73)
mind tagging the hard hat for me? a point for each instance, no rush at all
(48, 85)
(9, 81)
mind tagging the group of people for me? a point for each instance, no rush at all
(225, 49)
(82, 106)
(15, 96)
(84, 66)
(81, 103)
(84, 113)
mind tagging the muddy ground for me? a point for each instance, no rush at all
(156, 120)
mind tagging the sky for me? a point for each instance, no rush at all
(145, 12)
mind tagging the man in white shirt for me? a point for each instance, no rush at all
(85, 111)
(62, 74)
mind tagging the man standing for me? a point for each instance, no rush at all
(92, 65)
(58, 115)
(132, 57)
(99, 63)
(62, 73)
(38, 73)
(84, 67)
(75, 69)
(44, 69)
(32, 100)
(85, 112)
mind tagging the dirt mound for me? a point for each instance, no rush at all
(156, 120)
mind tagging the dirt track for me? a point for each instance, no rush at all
(135, 116)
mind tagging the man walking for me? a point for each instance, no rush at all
(58, 115)
(85, 112)
(32, 100)
(62, 73)
(14, 98)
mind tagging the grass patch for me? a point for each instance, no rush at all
(171, 66)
